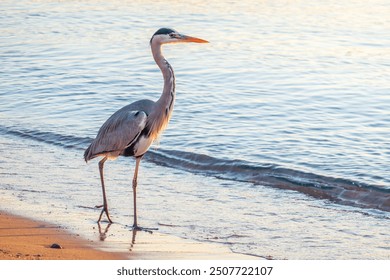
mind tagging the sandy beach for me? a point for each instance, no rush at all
(25, 239)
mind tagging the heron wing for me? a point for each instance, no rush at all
(117, 133)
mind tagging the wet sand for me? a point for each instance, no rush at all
(25, 239)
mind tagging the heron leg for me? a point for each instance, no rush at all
(135, 224)
(105, 207)
(137, 161)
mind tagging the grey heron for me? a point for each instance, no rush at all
(132, 129)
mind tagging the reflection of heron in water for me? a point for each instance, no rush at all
(103, 235)
(131, 130)
(133, 240)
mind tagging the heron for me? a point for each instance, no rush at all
(131, 130)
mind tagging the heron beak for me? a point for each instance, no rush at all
(185, 38)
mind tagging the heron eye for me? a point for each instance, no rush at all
(172, 35)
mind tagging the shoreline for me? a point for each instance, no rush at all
(22, 238)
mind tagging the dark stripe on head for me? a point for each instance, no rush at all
(162, 31)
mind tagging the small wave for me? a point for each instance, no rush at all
(335, 189)
(338, 190)
(66, 141)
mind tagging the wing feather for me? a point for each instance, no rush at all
(118, 132)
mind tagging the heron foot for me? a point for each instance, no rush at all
(138, 228)
(104, 210)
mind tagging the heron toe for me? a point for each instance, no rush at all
(138, 228)
(104, 210)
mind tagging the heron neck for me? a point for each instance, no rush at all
(167, 98)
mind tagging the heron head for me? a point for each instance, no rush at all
(171, 36)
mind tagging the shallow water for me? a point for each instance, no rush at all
(53, 185)
(288, 96)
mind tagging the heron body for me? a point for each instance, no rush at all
(131, 130)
